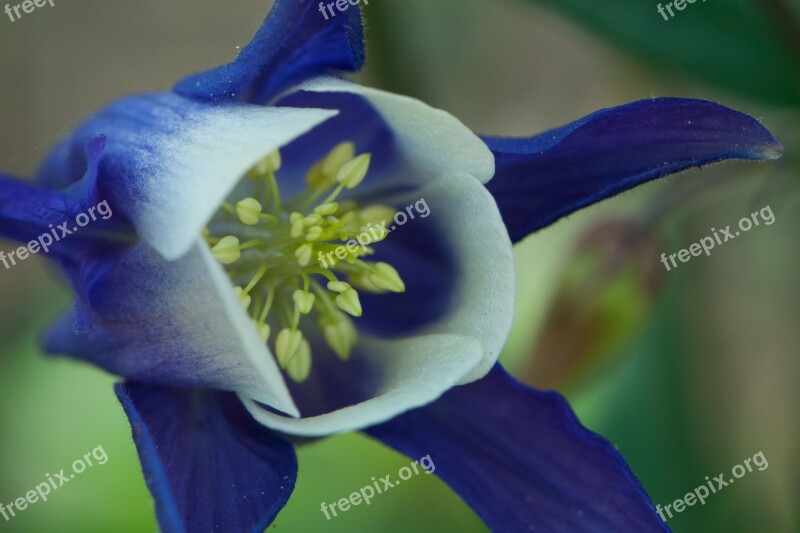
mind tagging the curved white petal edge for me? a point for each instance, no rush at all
(204, 152)
(264, 380)
(485, 286)
(420, 369)
(433, 141)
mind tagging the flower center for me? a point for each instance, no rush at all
(305, 256)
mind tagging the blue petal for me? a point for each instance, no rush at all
(169, 162)
(522, 460)
(209, 465)
(29, 212)
(543, 178)
(175, 323)
(295, 43)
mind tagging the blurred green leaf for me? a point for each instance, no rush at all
(751, 47)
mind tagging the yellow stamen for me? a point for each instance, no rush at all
(283, 257)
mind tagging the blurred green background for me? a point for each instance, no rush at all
(688, 372)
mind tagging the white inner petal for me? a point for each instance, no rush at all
(485, 287)
(419, 370)
(265, 380)
(432, 141)
(199, 165)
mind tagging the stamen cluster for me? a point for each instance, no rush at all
(271, 252)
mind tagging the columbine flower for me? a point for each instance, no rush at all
(207, 293)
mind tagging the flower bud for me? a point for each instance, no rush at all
(304, 301)
(349, 302)
(354, 171)
(248, 211)
(287, 343)
(337, 157)
(226, 251)
(299, 366)
(385, 277)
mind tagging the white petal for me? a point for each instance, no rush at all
(209, 158)
(171, 162)
(264, 377)
(417, 369)
(485, 287)
(432, 141)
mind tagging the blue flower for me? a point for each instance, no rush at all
(206, 289)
